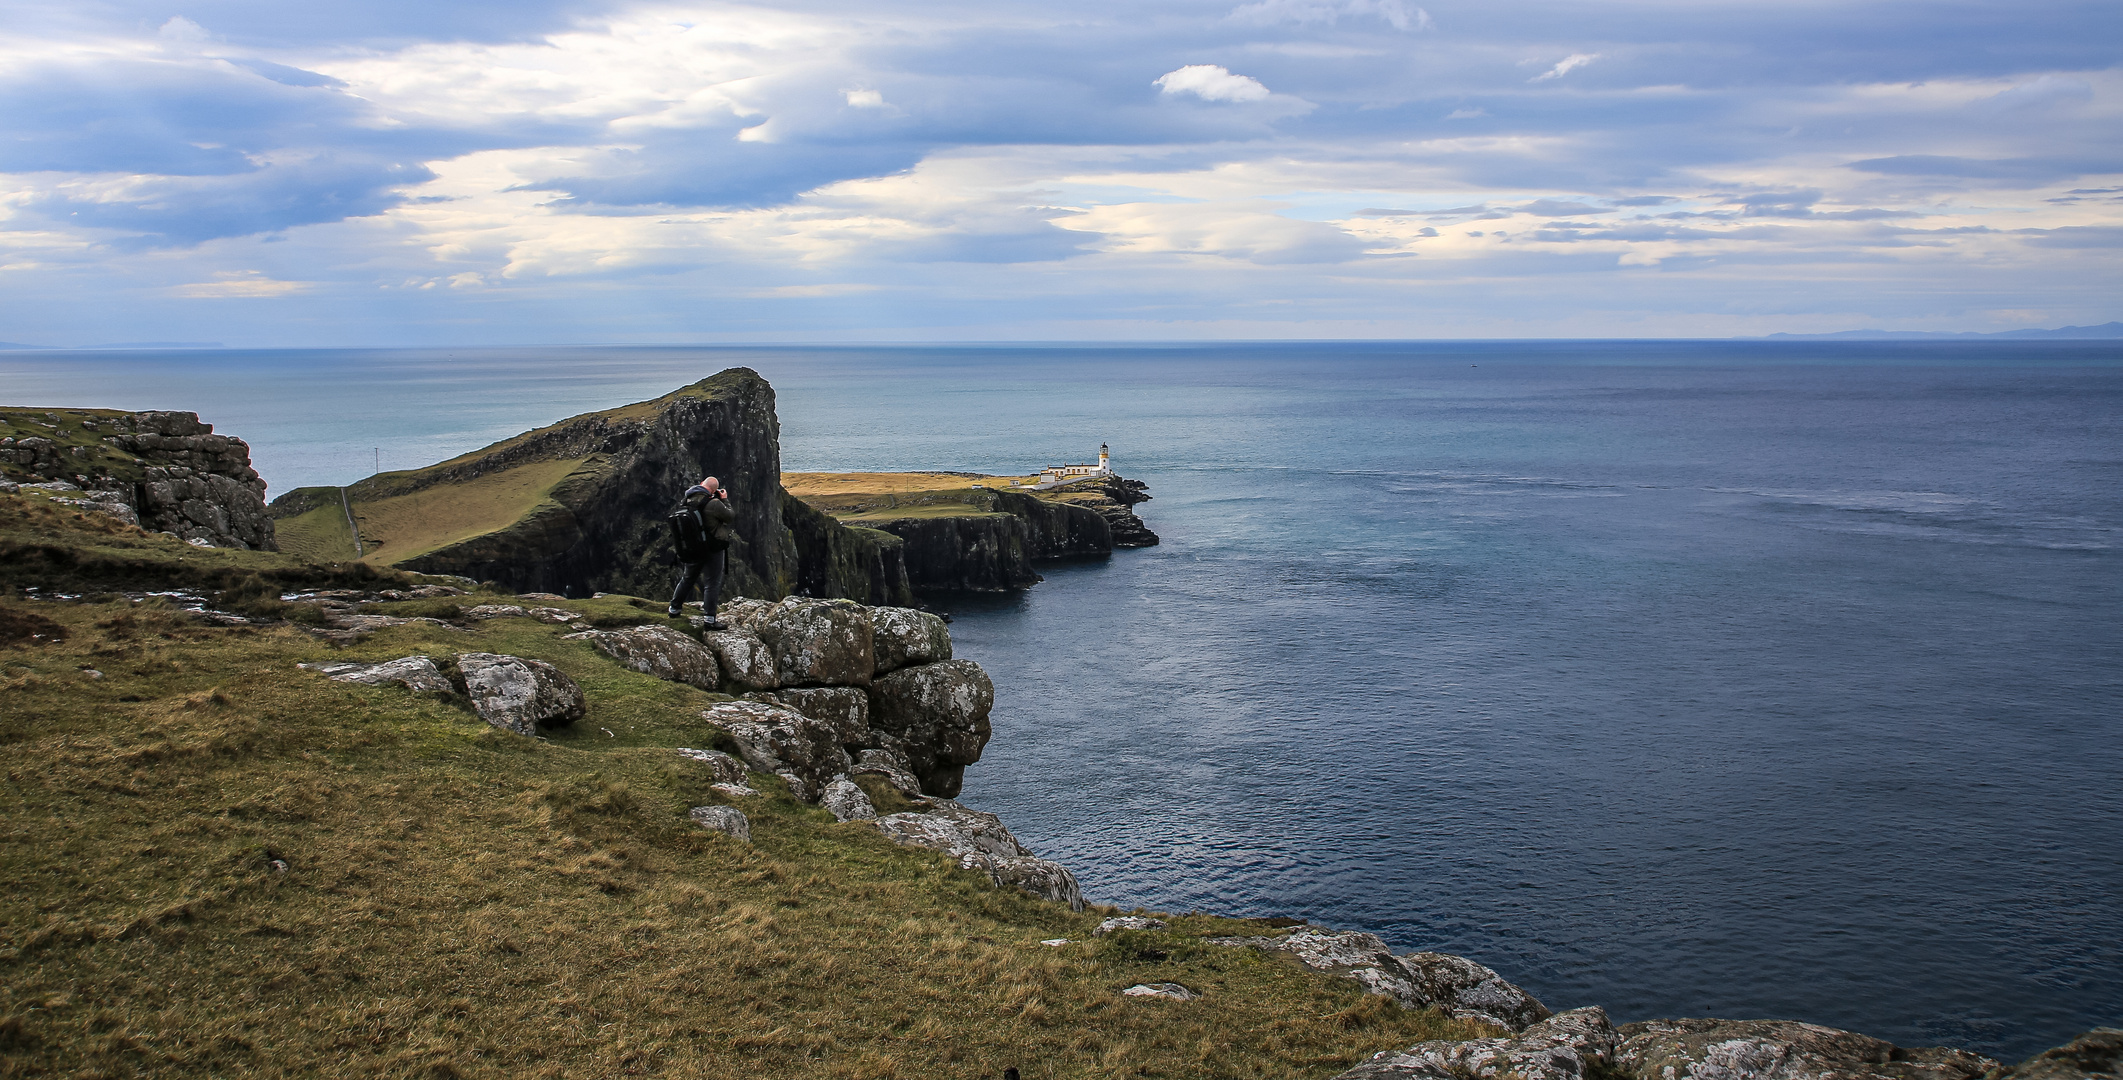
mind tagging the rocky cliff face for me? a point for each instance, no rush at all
(601, 528)
(163, 471)
(993, 550)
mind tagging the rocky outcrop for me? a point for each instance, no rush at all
(842, 560)
(1418, 980)
(1567, 1046)
(981, 843)
(1113, 498)
(519, 695)
(659, 651)
(939, 713)
(417, 673)
(2096, 1054)
(163, 471)
(818, 642)
(779, 740)
(1780, 1050)
(902, 636)
(728, 820)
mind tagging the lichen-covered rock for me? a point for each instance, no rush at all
(417, 673)
(747, 663)
(981, 843)
(1129, 922)
(724, 768)
(2096, 1054)
(659, 651)
(846, 708)
(780, 740)
(903, 636)
(940, 711)
(1420, 980)
(1567, 1046)
(1166, 991)
(846, 801)
(1702, 1049)
(742, 614)
(519, 695)
(890, 763)
(819, 642)
(724, 819)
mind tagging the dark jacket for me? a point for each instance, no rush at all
(716, 512)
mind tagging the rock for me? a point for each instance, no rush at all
(723, 819)
(780, 740)
(1420, 980)
(659, 651)
(1129, 922)
(725, 769)
(1167, 990)
(980, 842)
(847, 802)
(1567, 1046)
(743, 614)
(819, 642)
(846, 708)
(903, 636)
(518, 694)
(940, 710)
(746, 661)
(890, 763)
(2098, 1053)
(494, 611)
(1780, 1050)
(416, 673)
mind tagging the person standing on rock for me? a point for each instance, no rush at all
(701, 531)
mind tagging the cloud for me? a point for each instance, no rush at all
(1393, 13)
(240, 285)
(1560, 208)
(1565, 66)
(1465, 114)
(1211, 82)
(2046, 92)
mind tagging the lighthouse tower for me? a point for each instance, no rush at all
(1105, 462)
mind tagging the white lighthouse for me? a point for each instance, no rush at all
(1105, 461)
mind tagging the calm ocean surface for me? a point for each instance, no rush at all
(1682, 678)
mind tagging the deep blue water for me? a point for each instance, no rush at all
(1680, 678)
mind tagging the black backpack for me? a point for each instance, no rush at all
(689, 534)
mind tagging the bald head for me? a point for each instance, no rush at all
(710, 483)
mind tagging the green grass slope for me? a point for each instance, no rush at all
(219, 864)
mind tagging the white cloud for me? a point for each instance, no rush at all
(1394, 13)
(865, 99)
(1211, 82)
(1565, 66)
(240, 285)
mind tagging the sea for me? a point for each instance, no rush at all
(1684, 678)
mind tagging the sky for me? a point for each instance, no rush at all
(476, 172)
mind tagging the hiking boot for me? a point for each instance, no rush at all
(712, 623)
(673, 612)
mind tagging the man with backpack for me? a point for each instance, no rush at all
(701, 531)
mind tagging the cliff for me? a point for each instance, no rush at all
(970, 532)
(577, 507)
(163, 471)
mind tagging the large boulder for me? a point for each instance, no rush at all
(847, 802)
(659, 651)
(2098, 1053)
(819, 642)
(779, 740)
(1567, 1046)
(981, 843)
(746, 661)
(1457, 985)
(728, 820)
(903, 636)
(519, 695)
(847, 708)
(1780, 1050)
(940, 711)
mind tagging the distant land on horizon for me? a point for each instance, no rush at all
(2109, 331)
(2104, 332)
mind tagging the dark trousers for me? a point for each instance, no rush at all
(709, 575)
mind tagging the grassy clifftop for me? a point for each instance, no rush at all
(221, 864)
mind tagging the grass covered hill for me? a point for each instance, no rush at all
(221, 864)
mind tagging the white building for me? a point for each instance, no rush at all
(1057, 474)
